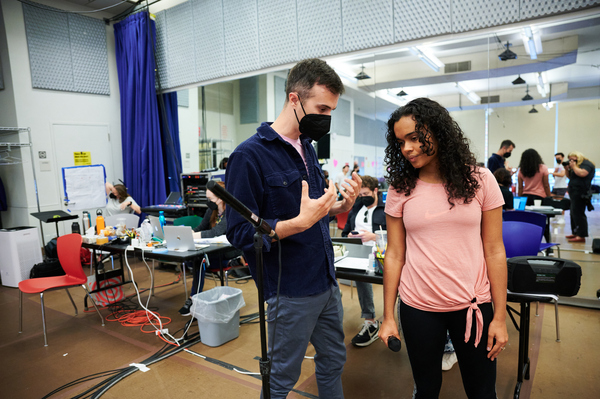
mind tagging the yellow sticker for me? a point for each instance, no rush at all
(82, 158)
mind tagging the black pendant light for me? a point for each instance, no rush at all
(362, 75)
(533, 110)
(527, 96)
(518, 81)
(402, 93)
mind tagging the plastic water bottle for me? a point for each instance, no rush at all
(162, 220)
(372, 264)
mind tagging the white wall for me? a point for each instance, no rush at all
(39, 109)
(188, 132)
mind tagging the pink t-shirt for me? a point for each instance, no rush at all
(445, 268)
(297, 144)
(534, 185)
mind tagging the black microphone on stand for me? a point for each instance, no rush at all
(259, 223)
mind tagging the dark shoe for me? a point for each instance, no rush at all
(185, 309)
(570, 236)
(367, 335)
(576, 239)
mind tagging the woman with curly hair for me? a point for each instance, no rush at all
(445, 256)
(533, 177)
(581, 173)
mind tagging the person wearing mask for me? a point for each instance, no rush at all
(339, 179)
(364, 219)
(560, 176)
(445, 257)
(276, 174)
(581, 173)
(119, 202)
(504, 180)
(213, 224)
(498, 160)
(533, 177)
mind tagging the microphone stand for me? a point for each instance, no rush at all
(261, 228)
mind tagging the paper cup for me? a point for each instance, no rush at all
(537, 202)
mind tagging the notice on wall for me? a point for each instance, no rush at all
(82, 158)
(84, 187)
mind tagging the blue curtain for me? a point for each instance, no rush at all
(171, 147)
(143, 166)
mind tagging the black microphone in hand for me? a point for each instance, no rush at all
(262, 226)
(394, 343)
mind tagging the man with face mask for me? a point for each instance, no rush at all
(498, 160)
(560, 176)
(367, 216)
(276, 174)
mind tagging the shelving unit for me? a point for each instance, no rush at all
(7, 146)
(211, 152)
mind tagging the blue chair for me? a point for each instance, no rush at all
(524, 239)
(533, 218)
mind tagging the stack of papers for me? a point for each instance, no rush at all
(215, 240)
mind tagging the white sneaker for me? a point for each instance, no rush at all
(448, 360)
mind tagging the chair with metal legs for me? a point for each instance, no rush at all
(68, 247)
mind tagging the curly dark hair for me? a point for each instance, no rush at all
(503, 177)
(530, 162)
(458, 165)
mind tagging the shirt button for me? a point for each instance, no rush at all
(285, 183)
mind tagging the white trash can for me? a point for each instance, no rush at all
(218, 314)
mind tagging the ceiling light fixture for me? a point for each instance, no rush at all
(507, 54)
(519, 81)
(533, 110)
(362, 75)
(474, 98)
(548, 105)
(532, 42)
(402, 93)
(527, 96)
(541, 86)
(427, 57)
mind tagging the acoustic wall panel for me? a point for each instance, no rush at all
(180, 42)
(240, 20)
(89, 54)
(319, 28)
(209, 39)
(183, 98)
(49, 49)
(414, 19)
(162, 51)
(367, 24)
(468, 15)
(277, 32)
(537, 8)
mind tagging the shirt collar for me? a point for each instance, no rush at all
(265, 132)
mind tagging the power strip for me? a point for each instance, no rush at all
(146, 248)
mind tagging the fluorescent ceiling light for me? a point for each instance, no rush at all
(532, 42)
(427, 57)
(489, 111)
(474, 98)
(548, 106)
(541, 86)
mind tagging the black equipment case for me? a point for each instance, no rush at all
(543, 275)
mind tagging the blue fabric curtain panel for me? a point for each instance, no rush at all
(143, 166)
(171, 147)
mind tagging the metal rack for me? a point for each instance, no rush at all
(210, 152)
(6, 131)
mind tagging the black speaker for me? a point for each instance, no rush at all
(596, 245)
(323, 147)
(543, 275)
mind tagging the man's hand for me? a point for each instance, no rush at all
(349, 195)
(313, 210)
(364, 235)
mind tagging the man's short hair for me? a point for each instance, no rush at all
(370, 182)
(560, 153)
(506, 144)
(345, 166)
(307, 73)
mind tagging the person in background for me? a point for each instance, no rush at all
(367, 216)
(532, 177)
(504, 180)
(214, 224)
(581, 173)
(223, 163)
(119, 201)
(326, 175)
(441, 204)
(339, 179)
(560, 176)
(356, 168)
(498, 160)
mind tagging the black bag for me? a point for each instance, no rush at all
(50, 249)
(48, 268)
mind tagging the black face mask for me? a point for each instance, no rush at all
(211, 205)
(507, 155)
(111, 195)
(368, 201)
(559, 161)
(314, 126)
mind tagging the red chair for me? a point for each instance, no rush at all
(68, 248)
(342, 218)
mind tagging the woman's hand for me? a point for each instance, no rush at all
(388, 329)
(497, 332)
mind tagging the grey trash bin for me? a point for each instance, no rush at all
(218, 314)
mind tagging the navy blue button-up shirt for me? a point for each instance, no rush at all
(265, 173)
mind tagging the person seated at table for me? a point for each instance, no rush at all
(533, 177)
(504, 181)
(119, 201)
(213, 225)
(365, 218)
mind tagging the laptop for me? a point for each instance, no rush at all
(174, 198)
(179, 238)
(156, 227)
(519, 203)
